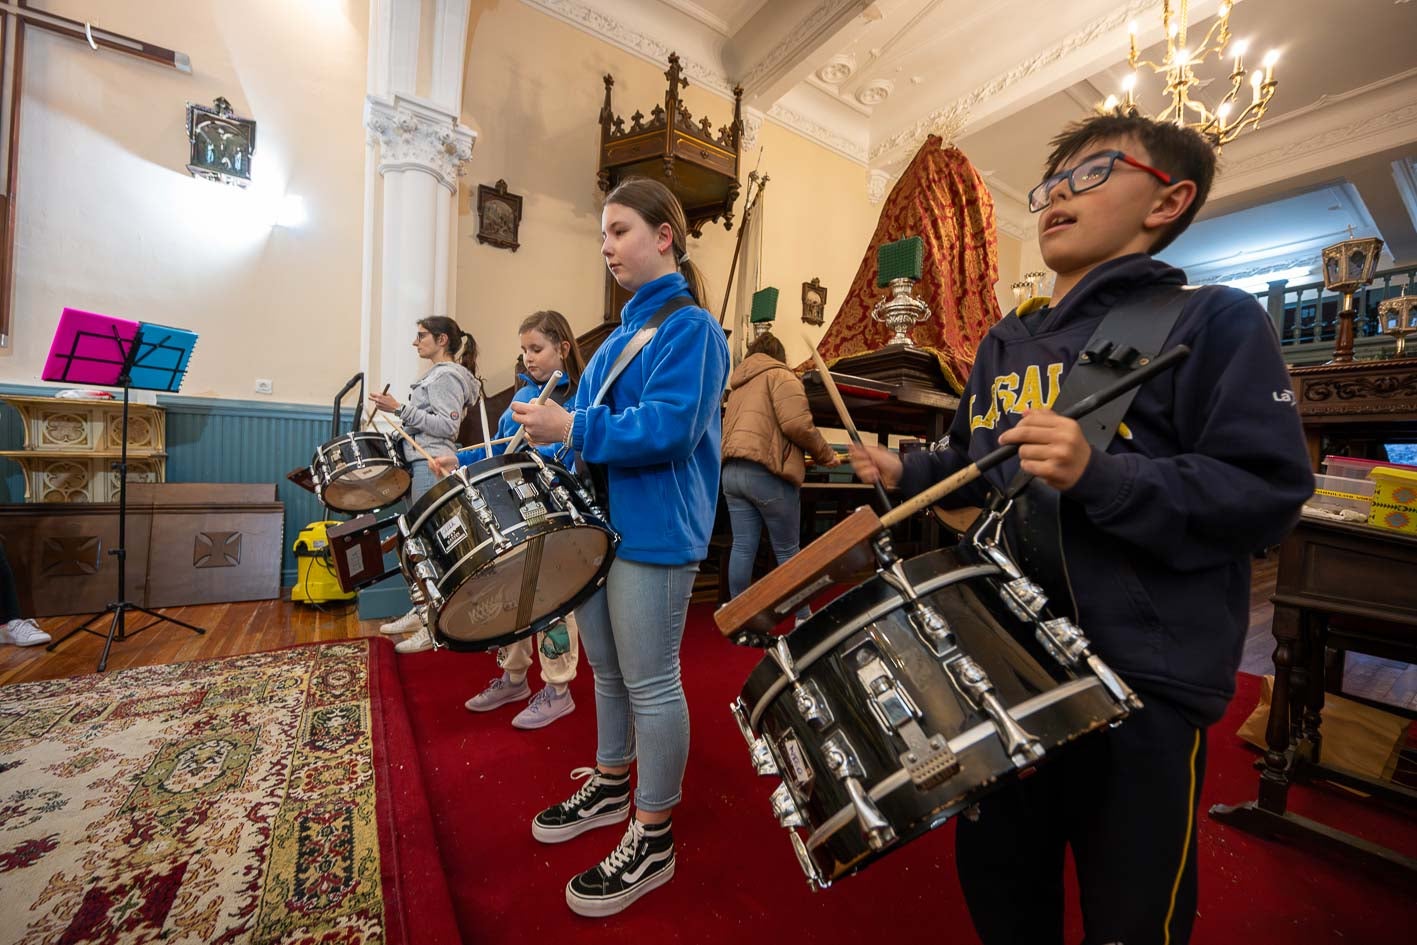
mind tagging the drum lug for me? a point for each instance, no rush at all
(414, 549)
(1025, 598)
(1023, 749)
(812, 704)
(784, 807)
(478, 504)
(928, 760)
(758, 749)
(1065, 642)
(845, 764)
(815, 880)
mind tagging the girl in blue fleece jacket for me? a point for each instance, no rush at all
(656, 433)
(548, 346)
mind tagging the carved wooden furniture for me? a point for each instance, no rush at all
(70, 446)
(697, 164)
(1343, 586)
(1356, 406)
(188, 543)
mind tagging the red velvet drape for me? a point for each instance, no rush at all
(941, 198)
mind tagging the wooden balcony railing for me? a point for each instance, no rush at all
(1306, 316)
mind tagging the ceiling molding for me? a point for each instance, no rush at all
(806, 36)
(611, 30)
(1310, 259)
(608, 28)
(1404, 175)
(950, 119)
(1011, 214)
(699, 15)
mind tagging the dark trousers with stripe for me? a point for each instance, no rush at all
(1125, 800)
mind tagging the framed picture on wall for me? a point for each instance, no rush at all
(499, 216)
(814, 302)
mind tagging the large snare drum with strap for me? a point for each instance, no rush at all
(904, 701)
(502, 549)
(360, 471)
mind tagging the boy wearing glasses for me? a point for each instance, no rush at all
(1156, 531)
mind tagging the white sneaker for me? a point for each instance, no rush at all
(408, 623)
(23, 632)
(420, 641)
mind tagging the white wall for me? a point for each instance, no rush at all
(111, 221)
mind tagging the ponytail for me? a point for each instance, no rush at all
(462, 347)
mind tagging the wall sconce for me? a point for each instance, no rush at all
(1347, 267)
(222, 143)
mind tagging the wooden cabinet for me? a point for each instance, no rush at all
(71, 445)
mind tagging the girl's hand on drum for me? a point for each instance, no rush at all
(443, 465)
(1050, 446)
(384, 402)
(545, 423)
(872, 463)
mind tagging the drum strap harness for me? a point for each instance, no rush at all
(1129, 336)
(595, 472)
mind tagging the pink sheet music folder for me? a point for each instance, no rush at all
(84, 350)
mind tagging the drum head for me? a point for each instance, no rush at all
(556, 569)
(360, 489)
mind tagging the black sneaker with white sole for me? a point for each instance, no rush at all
(644, 860)
(604, 799)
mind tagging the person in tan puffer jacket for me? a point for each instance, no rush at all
(766, 428)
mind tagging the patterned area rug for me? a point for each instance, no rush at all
(225, 801)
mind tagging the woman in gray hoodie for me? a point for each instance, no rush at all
(437, 403)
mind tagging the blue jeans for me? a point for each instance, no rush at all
(423, 479)
(631, 631)
(756, 497)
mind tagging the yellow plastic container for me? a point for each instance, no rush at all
(316, 581)
(1394, 499)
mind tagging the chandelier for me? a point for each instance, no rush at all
(1230, 116)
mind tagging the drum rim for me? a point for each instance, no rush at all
(965, 740)
(499, 463)
(611, 542)
(815, 653)
(320, 489)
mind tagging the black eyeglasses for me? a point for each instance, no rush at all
(422, 334)
(1092, 172)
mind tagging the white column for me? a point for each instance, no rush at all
(421, 150)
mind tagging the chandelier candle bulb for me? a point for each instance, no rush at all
(1270, 58)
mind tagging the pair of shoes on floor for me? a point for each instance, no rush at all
(408, 623)
(545, 707)
(643, 859)
(420, 641)
(23, 632)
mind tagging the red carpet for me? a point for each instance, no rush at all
(737, 880)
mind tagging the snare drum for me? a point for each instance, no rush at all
(502, 549)
(359, 472)
(884, 717)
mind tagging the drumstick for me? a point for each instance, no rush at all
(486, 430)
(1083, 407)
(412, 442)
(545, 392)
(841, 412)
(375, 409)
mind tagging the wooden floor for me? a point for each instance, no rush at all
(263, 625)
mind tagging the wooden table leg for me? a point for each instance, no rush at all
(1274, 778)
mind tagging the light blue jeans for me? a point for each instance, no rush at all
(631, 631)
(756, 498)
(423, 479)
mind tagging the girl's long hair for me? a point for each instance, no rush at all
(557, 329)
(657, 205)
(462, 347)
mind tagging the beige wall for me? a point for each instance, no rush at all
(110, 220)
(533, 92)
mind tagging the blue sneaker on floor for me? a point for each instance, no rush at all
(545, 707)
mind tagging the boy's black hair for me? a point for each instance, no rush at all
(1181, 152)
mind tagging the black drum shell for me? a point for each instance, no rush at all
(472, 562)
(1068, 705)
(359, 472)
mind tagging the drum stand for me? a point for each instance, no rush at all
(117, 626)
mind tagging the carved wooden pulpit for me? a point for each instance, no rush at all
(698, 164)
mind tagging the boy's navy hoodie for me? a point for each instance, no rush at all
(1208, 466)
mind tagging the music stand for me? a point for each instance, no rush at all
(116, 352)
